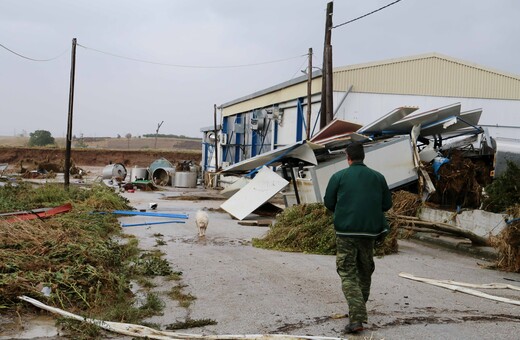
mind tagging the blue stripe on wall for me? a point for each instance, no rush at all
(299, 120)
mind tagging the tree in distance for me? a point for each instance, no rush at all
(41, 138)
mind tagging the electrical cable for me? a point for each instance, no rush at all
(300, 68)
(365, 15)
(189, 66)
(32, 59)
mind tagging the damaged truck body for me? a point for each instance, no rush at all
(408, 149)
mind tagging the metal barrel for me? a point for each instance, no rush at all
(185, 179)
(162, 172)
(116, 170)
(138, 174)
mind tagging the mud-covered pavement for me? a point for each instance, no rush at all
(247, 290)
(250, 290)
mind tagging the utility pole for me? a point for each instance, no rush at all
(156, 133)
(309, 94)
(216, 135)
(69, 121)
(326, 86)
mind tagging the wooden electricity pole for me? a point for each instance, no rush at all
(326, 86)
(216, 135)
(156, 133)
(69, 121)
(309, 94)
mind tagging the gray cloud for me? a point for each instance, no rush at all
(117, 96)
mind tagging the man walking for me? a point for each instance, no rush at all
(358, 196)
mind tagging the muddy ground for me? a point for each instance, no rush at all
(247, 290)
(29, 158)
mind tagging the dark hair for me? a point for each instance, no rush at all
(355, 151)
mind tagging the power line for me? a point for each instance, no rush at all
(366, 15)
(300, 67)
(32, 59)
(190, 66)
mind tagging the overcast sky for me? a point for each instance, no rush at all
(119, 96)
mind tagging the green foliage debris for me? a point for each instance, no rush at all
(301, 228)
(504, 192)
(190, 323)
(309, 228)
(77, 261)
(177, 294)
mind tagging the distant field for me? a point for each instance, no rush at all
(116, 143)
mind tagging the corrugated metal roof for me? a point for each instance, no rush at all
(430, 74)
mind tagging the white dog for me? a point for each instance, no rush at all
(202, 221)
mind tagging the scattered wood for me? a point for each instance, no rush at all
(424, 230)
(462, 287)
(150, 333)
(416, 222)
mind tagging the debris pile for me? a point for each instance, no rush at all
(459, 182)
(309, 228)
(69, 260)
(404, 203)
(504, 192)
(508, 243)
(301, 228)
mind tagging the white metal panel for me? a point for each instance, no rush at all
(465, 120)
(501, 116)
(427, 117)
(301, 150)
(387, 120)
(265, 185)
(306, 190)
(393, 158)
(506, 150)
(287, 127)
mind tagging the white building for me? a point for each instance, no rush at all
(276, 116)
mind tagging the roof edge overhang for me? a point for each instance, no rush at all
(271, 89)
(426, 56)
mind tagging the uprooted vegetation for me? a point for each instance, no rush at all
(309, 228)
(78, 261)
(504, 192)
(459, 182)
(508, 243)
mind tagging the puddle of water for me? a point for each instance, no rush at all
(31, 327)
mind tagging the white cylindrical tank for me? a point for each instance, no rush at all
(185, 179)
(116, 170)
(138, 174)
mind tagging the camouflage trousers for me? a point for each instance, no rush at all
(355, 265)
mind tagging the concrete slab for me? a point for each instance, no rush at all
(480, 222)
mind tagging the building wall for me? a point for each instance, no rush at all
(366, 92)
(432, 75)
(501, 117)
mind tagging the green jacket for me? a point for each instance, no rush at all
(358, 196)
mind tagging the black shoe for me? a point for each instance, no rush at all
(354, 327)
